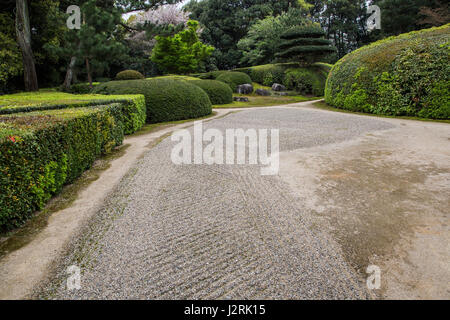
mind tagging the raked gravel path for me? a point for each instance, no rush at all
(215, 232)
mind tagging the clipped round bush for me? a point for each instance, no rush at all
(404, 75)
(166, 99)
(129, 75)
(233, 79)
(218, 92)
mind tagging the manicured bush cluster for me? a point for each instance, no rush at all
(405, 75)
(129, 75)
(166, 99)
(218, 92)
(234, 79)
(43, 150)
(305, 80)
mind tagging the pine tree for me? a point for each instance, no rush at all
(304, 45)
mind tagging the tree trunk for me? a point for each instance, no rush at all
(69, 73)
(88, 69)
(23, 32)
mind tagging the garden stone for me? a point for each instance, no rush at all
(240, 99)
(278, 87)
(245, 88)
(262, 92)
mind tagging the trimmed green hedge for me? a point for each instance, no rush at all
(129, 75)
(405, 75)
(134, 108)
(166, 99)
(218, 92)
(42, 151)
(234, 79)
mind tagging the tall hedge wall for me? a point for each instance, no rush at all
(166, 99)
(404, 75)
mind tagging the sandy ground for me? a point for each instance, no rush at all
(25, 268)
(361, 190)
(385, 197)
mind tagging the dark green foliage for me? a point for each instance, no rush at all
(304, 44)
(129, 75)
(182, 52)
(79, 88)
(224, 23)
(42, 151)
(309, 80)
(233, 79)
(166, 99)
(305, 80)
(218, 92)
(406, 75)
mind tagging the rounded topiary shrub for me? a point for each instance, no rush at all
(129, 75)
(404, 75)
(218, 92)
(233, 79)
(166, 99)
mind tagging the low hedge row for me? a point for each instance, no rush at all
(166, 99)
(404, 75)
(218, 92)
(234, 79)
(134, 108)
(41, 151)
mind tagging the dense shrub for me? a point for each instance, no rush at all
(218, 92)
(404, 75)
(129, 75)
(133, 106)
(166, 99)
(306, 80)
(80, 88)
(43, 150)
(212, 75)
(233, 79)
(309, 80)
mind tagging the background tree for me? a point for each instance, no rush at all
(225, 22)
(261, 43)
(305, 45)
(10, 55)
(436, 16)
(23, 31)
(140, 43)
(344, 22)
(181, 53)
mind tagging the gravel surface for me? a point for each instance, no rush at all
(215, 232)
